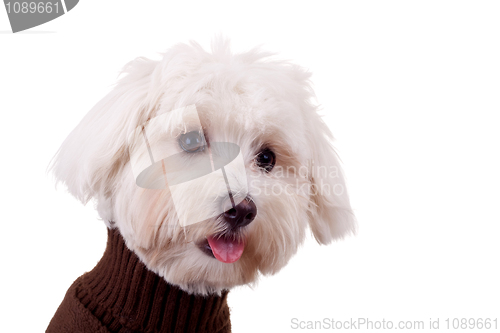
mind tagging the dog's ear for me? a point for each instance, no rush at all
(90, 159)
(330, 214)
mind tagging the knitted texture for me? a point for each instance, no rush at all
(121, 295)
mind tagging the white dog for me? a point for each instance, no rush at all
(141, 153)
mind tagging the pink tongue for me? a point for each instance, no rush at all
(226, 250)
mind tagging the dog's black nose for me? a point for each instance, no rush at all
(241, 214)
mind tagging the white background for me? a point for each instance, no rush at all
(411, 91)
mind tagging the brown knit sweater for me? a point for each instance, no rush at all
(121, 295)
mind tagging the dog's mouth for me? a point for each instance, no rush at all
(225, 248)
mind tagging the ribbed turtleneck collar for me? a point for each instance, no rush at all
(127, 297)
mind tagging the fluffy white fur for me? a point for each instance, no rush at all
(249, 99)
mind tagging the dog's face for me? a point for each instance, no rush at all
(288, 178)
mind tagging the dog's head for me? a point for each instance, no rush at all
(272, 171)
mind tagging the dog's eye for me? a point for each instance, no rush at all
(266, 159)
(192, 142)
